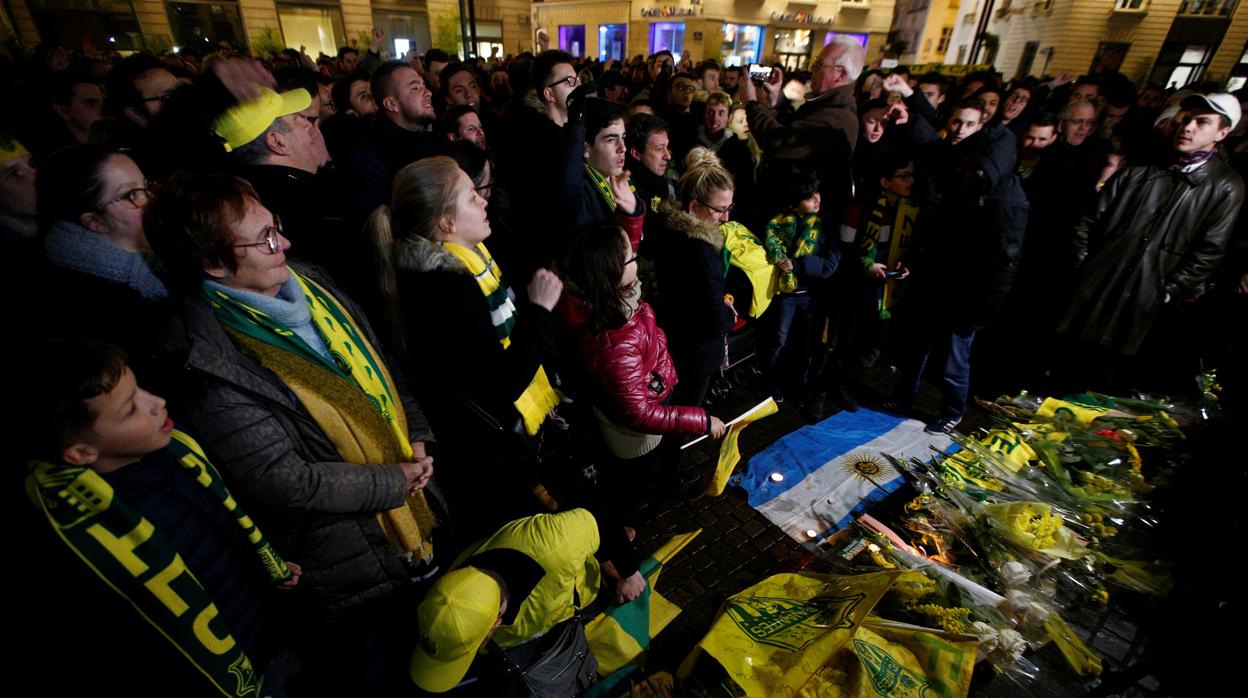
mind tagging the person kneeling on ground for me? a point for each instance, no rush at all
(523, 588)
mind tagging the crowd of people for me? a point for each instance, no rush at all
(439, 326)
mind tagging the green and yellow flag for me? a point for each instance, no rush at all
(621, 633)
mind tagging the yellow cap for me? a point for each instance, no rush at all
(453, 622)
(244, 122)
(10, 149)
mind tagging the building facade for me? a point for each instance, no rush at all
(922, 30)
(735, 31)
(1169, 42)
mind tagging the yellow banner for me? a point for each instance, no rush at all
(809, 635)
(1058, 409)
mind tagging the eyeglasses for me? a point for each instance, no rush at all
(569, 81)
(683, 87)
(271, 235)
(135, 198)
(484, 189)
(630, 260)
(721, 211)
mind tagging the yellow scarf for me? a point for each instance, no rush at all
(352, 398)
(539, 398)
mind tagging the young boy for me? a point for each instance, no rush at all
(793, 243)
(881, 226)
(140, 522)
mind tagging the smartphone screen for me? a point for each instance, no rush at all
(760, 73)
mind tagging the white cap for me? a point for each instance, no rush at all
(1222, 103)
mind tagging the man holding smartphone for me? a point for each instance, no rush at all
(821, 133)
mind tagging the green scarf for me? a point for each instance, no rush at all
(356, 362)
(784, 242)
(139, 563)
(899, 240)
(354, 359)
(603, 185)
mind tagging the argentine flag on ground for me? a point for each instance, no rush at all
(815, 480)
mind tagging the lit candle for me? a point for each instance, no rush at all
(812, 533)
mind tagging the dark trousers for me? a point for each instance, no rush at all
(950, 350)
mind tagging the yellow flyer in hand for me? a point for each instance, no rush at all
(729, 449)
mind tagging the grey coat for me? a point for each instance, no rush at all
(1154, 232)
(318, 511)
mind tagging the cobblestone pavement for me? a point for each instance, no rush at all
(739, 546)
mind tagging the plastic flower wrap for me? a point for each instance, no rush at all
(1037, 527)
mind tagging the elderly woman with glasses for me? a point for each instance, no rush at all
(90, 209)
(285, 384)
(689, 257)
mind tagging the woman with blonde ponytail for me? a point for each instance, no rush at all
(691, 263)
(468, 343)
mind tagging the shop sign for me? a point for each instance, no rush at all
(799, 18)
(668, 11)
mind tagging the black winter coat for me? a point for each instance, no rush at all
(689, 258)
(1155, 232)
(317, 510)
(976, 220)
(372, 167)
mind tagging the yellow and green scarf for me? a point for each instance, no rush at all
(603, 185)
(138, 562)
(539, 398)
(785, 242)
(361, 436)
(899, 240)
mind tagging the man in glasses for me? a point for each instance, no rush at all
(541, 155)
(823, 131)
(682, 119)
(137, 91)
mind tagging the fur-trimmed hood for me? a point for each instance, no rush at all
(532, 101)
(418, 254)
(677, 219)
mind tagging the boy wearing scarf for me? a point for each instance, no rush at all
(139, 522)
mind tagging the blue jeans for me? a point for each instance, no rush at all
(788, 307)
(953, 349)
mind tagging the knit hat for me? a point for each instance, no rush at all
(453, 622)
(245, 121)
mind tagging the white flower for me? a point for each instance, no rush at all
(988, 636)
(1011, 644)
(1014, 573)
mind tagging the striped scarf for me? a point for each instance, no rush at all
(899, 239)
(138, 562)
(539, 397)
